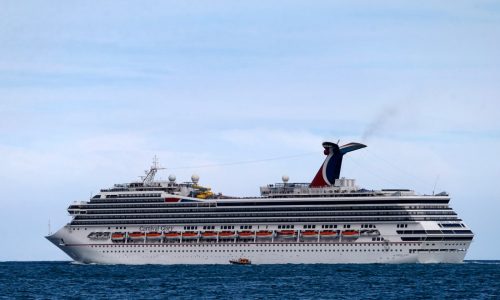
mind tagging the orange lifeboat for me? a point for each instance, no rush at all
(172, 235)
(117, 236)
(209, 235)
(350, 233)
(328, 234)
(246, 235)
(227, 234)
(264, 234)
(287, 234)
(154, 235)
(136, 235)
(310, 234)
(190, 235)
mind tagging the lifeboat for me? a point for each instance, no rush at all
(328, 234)
(172, 235)
(137, 235)
(154, 235)
(287, 234)
(209, 235)
(190, 235)
(227, 235)
(246, 235)
(264, 234)
(117, 236)
(310, 234)
(350, 233)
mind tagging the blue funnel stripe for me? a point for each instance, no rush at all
(330, 169)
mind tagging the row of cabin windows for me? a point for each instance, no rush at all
(308, 226)
(377, 239)
(271, 250)
(133, 195)
(275, 245)
(168, 222)
(161, 213)
(402, 226)
(280, 245)
(204, 207)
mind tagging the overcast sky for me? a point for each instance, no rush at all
(90, 91)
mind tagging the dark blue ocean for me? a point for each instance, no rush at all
(470, 280)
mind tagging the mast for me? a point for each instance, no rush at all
(150, 175)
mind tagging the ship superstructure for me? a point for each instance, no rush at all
(330, 220)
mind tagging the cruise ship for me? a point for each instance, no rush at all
(329, 220)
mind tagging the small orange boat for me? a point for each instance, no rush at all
(227, 234)
(190, 235)
(264, 234)
(350, 233)
(287, 234)
(154, 235)
(117, 236)
(246, 235)
(209, 235)
(136, 235)
(172, 235)
(240, 261)
(310, 234)
(328, 233)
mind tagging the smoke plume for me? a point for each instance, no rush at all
(379, 123)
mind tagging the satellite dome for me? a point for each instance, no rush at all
(195, 178)
(171, 177)
(285, 178)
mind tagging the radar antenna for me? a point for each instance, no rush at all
(150, 175)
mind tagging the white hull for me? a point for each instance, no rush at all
(286, 252)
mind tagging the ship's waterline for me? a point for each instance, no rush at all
(329, 220)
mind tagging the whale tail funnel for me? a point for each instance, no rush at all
(330, 169)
